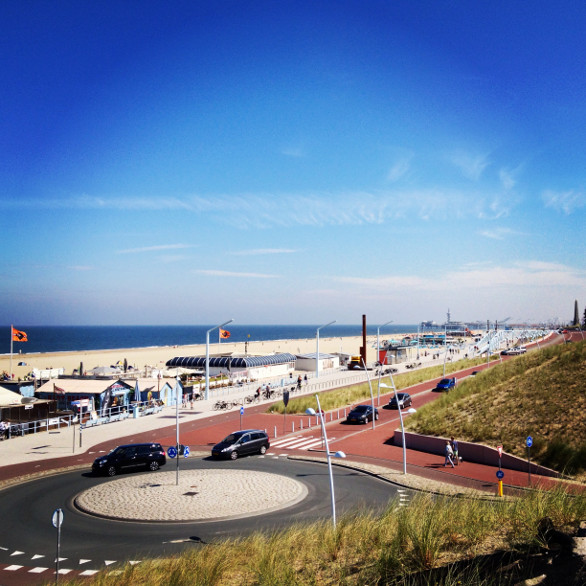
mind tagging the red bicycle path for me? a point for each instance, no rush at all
(361, 444)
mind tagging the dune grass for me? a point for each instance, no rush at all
(401, 546)
(346, 396)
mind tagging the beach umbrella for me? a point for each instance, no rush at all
(125, 365)
(81, 369)
(136, 392)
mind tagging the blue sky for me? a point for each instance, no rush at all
(291, 162)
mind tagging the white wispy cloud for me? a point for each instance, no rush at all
(471, 166)
(399, 169)
(218, 273)
(520, 274)
(260, 251)
(156, 248)
(257, 211)
(293, 151)
(564, 201)
(500, 233)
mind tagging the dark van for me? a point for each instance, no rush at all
(130, 457)
(242, 443)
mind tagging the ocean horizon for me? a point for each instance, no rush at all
(44, 339)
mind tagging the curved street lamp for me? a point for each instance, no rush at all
(311, 412)
(317, 347)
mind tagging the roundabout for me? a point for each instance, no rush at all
(200, 495)
(139, 516)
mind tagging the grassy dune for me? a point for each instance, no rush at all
(433, 541)
(541, 394)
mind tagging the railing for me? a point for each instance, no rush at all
(38, 425)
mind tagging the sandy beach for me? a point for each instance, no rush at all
(156, 357)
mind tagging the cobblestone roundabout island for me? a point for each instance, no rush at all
(200, 495)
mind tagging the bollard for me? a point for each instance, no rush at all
(301, 424)
(292, 427)
(500, 488)
(275, 432)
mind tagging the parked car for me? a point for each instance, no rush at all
(446, 384)
(361, 414)
(130, 457)
(402, 400)
(242, 443)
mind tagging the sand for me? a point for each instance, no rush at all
(156, 357)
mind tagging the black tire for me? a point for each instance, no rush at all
(233, 455)
(263, 450)
(154, 465)
(111, 471)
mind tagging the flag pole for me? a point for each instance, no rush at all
(11, 346)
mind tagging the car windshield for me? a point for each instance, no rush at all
(445, 381)
(231, 438)
(361, 408)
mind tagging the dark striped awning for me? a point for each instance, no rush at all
(230, 361)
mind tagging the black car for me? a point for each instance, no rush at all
(242, 443)
(130, 457)
(403, 399)
(362, 414)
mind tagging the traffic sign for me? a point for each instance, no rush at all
(500, 474)
(172, 452)
(57, 518)
(241, 410)
(529, 441)
(500, 450)
(185, 451)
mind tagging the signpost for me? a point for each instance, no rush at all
(529, 444)
(241, 414)
(500, 475)
(286, 401)
(57, 521)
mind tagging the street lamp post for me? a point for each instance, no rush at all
(378, 339)
(371, 395)
(309, 411)
(317, 347)
(207, 389)
(411, 410)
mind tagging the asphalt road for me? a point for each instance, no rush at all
(89, 542)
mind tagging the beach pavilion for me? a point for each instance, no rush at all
(246, 367)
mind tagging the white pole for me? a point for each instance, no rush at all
(378, 340)
(371, 395)
(327, 447)
(207, 389)
(177, 386)
(317, 347)
(11, 345)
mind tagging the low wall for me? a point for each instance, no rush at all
(470, 452)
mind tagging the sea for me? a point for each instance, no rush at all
(83, 338)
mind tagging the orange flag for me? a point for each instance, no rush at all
(19, 336)
(224, 334)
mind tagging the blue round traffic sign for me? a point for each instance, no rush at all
(241, 410)
(185, 451)
(172, 452)
(529, 441)
(500, 474)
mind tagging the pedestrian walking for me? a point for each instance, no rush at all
(454, 444)
(448, 452)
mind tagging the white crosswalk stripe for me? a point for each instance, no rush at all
(303, 443)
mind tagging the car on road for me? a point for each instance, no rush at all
(242, 443)
(402, 400)
(446, 384)
(130, 457)
(362, 414)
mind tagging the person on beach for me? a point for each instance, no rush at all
(454, 445)
(449, 454)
